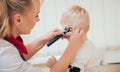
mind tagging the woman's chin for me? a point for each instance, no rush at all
(28, 32)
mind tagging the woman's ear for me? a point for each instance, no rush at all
(17, 19)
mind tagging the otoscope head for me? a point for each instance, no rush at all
(66, 29)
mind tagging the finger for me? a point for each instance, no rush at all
(77, 30)
(50, 59)
(53, 57)
(82, 31)
(72, 28)
(56, 29)
(62, 37)
(59, 32)
(48, 64)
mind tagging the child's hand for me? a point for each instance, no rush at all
(51, 61)
(77, 37)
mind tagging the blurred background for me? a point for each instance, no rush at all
(104, 27)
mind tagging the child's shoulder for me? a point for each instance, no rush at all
(89, 47)
(89, 43)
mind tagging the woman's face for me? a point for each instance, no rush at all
(29, 20)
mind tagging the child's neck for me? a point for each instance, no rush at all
(86, 38)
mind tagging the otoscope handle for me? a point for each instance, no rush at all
(54, 40)
(67, 29)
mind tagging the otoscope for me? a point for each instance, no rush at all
(66, 29)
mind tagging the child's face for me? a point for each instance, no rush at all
(29, 20)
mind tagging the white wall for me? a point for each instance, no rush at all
(105, 23)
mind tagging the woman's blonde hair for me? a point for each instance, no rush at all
(8, 7)
(76, 16)
(4, 28)
(7, 10)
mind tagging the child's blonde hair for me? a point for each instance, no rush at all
(76, 16)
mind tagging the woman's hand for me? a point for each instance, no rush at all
(52, 34)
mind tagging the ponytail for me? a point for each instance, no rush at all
(4, 19)
(8, 7)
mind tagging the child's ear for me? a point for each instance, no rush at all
(71, 28)
(17, 19)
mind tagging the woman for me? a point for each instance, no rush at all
(19, 17)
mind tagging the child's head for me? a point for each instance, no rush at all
(76, 16)
(18, 15)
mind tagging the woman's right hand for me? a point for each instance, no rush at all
(52, 34)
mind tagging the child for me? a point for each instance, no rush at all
(18, 17)
(87, 59)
